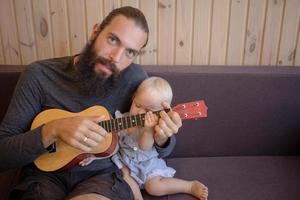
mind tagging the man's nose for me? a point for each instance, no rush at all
(116, 54)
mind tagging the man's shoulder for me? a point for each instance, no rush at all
(38, 69)
(134, 71)
(60, 61)
(41, 66)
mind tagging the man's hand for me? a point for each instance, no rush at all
(83, 133)
(168, 125)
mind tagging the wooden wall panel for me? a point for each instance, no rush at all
(26, 31)
(290, 26)
(166, 31)
(254, 32)
(77, 24)
(94, 14)
(184, 32)
(60, 28)
(297, 56)
(219, 32)
(236, 32)
(201, 31)
(132, 3)
(9, 33)
(109, 5)
(272, 32)
(149, 53)
(2, 59)
(42, 28)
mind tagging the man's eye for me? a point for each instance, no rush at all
(112, 40)
(131, 53)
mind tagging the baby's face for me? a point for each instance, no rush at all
(145, 101)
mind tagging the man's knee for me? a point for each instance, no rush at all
(45, 189)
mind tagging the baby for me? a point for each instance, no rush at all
(137, 156)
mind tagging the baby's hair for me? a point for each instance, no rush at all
(159, 86)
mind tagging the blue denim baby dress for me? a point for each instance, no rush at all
(143, 164)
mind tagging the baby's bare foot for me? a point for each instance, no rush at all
(199, 190)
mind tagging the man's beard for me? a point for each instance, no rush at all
(89, 81)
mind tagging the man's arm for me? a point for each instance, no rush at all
(18, 144)
(166, 150)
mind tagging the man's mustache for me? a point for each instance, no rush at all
(105, 61)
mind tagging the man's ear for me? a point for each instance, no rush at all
(94, 32)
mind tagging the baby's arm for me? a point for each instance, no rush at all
(147, 140)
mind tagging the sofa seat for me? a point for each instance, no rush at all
(241, 177)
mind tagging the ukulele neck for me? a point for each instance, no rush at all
(121, 123)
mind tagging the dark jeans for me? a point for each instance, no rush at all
(36, 184)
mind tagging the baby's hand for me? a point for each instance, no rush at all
(150, 120)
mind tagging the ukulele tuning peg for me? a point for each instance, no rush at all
(196, 104)
(183, 106)
(199, 113)
(185, 115)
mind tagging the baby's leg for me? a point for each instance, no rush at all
(159, 186)
(131, 182)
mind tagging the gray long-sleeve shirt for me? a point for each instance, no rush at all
(51, 84)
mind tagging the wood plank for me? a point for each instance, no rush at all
(201, 32)
(254, 34)
(60, 28)
(272, 32)
(166, 31)
(219, 32)
(109, 5)
(77, 24)
(297, 56)
(2, 58)
(184, 30)
(236, 33)
(9, 33)
(132, 3)
(149, 53)
(94, 14)
(42, 27)
(287, 49)
(26, 33)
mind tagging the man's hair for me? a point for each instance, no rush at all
(157, 86)
(131, 13)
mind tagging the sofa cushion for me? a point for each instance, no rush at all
(245, 177)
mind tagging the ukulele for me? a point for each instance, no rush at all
(67, 156)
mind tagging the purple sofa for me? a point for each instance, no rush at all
(249, 145)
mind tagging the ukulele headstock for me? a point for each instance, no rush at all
(191, 110)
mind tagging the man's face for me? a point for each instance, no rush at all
(118, 44)
(111, 50)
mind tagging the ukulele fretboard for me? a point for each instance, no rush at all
(121, 123)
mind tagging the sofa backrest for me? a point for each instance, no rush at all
(9, 75)
(251, 110)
